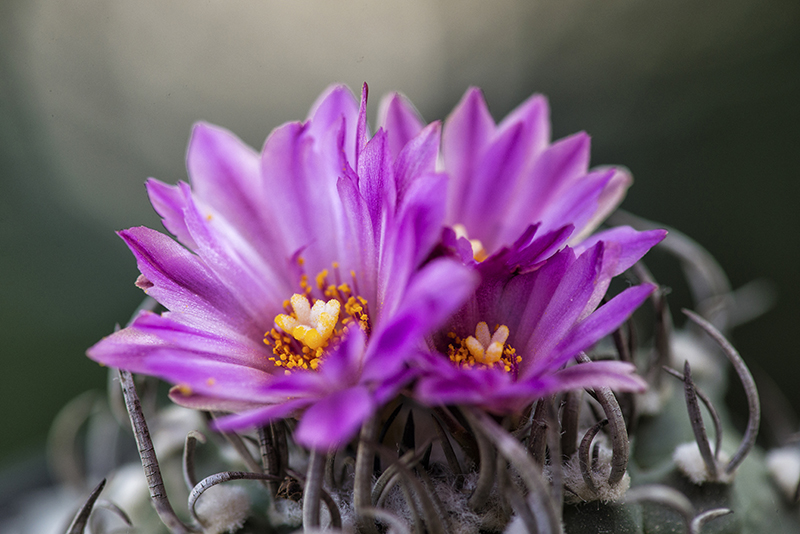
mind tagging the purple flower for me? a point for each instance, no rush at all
(505, 177)
(531, 314)
(298, 284)
(515, 201)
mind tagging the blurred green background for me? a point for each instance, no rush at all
(700, 100)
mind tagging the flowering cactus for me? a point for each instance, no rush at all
(424, 337)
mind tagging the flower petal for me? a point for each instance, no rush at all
(602, 322)
(466, 132)
(260, 416)
(633, 244)
(180, 281)
(335, 419)
(401, 121)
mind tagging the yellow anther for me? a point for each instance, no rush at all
(321, 278)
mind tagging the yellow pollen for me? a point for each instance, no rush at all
(211, 381)
(321, 279)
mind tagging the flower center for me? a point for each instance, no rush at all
(312, 325)
(315, 320)
(484, 349)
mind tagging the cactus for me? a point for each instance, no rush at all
(464, 378)
(668, 460)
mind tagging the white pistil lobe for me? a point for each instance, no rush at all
(313, 325)
(486, 348)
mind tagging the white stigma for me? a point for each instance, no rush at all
(312, 325)
(486, 348)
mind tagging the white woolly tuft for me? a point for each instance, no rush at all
(653, 400)
(601, 469)
(223, 508)
(288, 512)
(784, 466)
(690, 462)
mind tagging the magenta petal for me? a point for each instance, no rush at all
(619, 376)
(304, 192)
(567, 303)
(376, 182)
(257, 285)
(169, 202)
(602, 322)
(226, 176)
(410, 239)
(633, 244)
(609, 199)
(434, 294)
(417, 158)
(209, 403)
(578, 204)
(180, 281)
(534, 116)
(343, 364)
(336, 107)
(466, 132)
(334, 419)
(401, 121)
(554, 170)
(492, 186)
(259, 416)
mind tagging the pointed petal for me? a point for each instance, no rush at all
(169, 202)
(362, 133)
(209, 404)
(568, 301)
(335, 108)
(180, 281)
(633, 244)
(416, 159)
(401, 121)
(257, 285)
(610, 198)
(335, 419)
(534, 115)
(619, 376)
(576, 205)
(466, 132)
(410, 239)
(226, 176)
(376, 182)
(552, 173)
(436, 291)
(602, 322)
(259, 416)
(304, 192)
